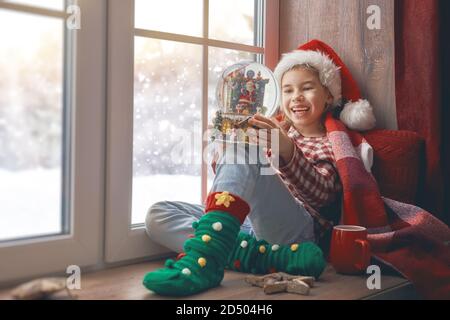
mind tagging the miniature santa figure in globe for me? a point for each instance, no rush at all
(247, 98)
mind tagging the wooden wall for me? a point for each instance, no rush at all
(342, 24)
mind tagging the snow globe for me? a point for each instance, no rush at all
(244, 89)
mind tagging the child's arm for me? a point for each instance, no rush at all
(318, 183)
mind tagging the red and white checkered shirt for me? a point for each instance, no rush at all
(310, 175)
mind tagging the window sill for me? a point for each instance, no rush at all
(125, 283)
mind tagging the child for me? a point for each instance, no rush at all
(278, 215)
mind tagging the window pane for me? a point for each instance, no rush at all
(219, 60)
(31, 83)
(167, 124)
(48, 4)
(174, 16)
(232, 20)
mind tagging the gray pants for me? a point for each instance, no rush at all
(275, 215)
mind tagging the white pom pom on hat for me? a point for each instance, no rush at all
(357, 113)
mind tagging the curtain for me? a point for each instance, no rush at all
(419, 90)
(444, 10)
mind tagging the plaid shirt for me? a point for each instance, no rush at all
(311, 176)
(311, 170)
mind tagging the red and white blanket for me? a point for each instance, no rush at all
(403, 236)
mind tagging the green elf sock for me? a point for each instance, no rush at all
(205, 255)
(259, 257)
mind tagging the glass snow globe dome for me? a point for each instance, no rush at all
(243, 90)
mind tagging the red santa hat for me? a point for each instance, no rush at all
(357, 113)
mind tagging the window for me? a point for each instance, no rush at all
(31, 125)
(167, 109)
(51, 109)
(88, 118)
(168, 106)
(174, 55)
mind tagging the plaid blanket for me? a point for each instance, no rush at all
(403, 236)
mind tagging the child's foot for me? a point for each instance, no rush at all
(206, 253)
(259, 257)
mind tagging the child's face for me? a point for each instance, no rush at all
(304, 98)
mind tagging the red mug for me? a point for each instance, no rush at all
(349, 251)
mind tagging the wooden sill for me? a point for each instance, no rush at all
(125, 283)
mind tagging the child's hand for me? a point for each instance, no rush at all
(286, 145)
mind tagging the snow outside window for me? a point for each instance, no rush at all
(32, 123)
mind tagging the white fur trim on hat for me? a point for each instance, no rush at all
(358, 115)
(329, 73)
